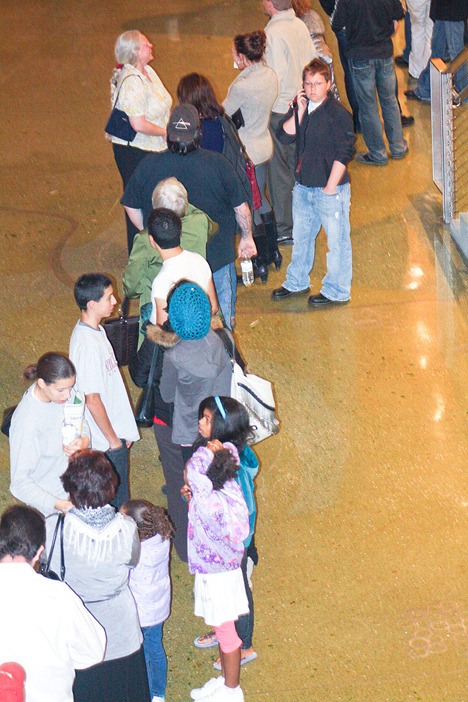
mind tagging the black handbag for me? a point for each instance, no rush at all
(144, 412)
(6, 421)
(122, 333)
(238, 118)
(118, 125)
(46, 570)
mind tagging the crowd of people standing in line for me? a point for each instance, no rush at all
(186, 195)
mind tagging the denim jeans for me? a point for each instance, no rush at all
(370, 75)
(447, 42)
(225, 283)
(156, 660)
(312, 209)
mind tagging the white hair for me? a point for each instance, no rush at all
(127, 47)
(171, 194)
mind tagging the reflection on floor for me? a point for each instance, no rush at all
(360, 591)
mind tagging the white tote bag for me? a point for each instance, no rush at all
(255, 393)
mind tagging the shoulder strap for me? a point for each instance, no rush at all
(59, 525)
(131, 75)
(154, 359)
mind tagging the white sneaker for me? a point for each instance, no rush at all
(158, 699)
(225, 694)
(199, 692)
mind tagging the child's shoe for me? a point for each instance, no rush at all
(225, 694)
(200, 692)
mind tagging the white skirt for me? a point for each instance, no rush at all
(220, 597)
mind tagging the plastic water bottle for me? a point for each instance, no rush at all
(247, 271)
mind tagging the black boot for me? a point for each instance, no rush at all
(260, 268)
(273, 254)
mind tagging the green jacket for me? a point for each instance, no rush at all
(145, 262)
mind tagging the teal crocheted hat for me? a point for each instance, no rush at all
(189, 311)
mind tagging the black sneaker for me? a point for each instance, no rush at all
(401, 61)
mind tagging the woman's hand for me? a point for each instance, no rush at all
(141, 124)
(214, 445)
(63, 505)
(76, 445)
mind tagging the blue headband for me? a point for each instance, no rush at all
(219, 405)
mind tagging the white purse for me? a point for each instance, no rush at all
(256, 394)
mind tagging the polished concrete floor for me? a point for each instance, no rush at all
(360, 591)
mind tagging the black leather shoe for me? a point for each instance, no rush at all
(412, 95)
(320, 301)
(407, 120)
(281, 293)
(285, 240)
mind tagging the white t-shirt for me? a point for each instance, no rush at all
(97, 371)
(187, 265)
(46, 629)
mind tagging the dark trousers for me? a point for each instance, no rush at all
(348, 77)
(120, 680)
(280, 179)
(119, 459)
(127, 159)
(245, 623)
(173, 466)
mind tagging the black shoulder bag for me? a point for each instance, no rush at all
(46, 570)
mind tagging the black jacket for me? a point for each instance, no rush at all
(325, 136)
(449, 10)
(328, 6)
(369, 26)
(139, 368)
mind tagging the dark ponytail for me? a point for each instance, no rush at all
(50, 368)
(252, 45)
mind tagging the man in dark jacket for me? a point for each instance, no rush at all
(321, 194)
(370, 25)
(447, 40)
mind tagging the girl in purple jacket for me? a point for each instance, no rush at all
(218, 524)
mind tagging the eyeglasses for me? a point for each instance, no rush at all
(316, 84)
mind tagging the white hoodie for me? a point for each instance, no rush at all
(150, 583)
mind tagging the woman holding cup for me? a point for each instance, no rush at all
(41, 438)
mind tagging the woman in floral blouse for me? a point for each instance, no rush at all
(137, 90)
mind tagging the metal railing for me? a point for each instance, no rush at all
(449, 118)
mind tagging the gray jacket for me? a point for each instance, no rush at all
(192, 370)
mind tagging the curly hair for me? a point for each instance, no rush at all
(223, 467)
(90, 479)
(150, 519)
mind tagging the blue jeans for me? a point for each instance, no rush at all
(155, 657)
(312, 209)
(225, 283)
(370, 75)
(447, 42)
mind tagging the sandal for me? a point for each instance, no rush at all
(246, 659)
(206, 640)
